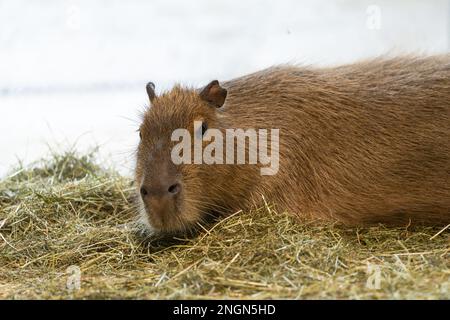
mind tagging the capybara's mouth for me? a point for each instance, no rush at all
(163, 225)
(176, 225)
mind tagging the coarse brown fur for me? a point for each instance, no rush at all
(361, 144)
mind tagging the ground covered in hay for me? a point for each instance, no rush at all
(66, 219)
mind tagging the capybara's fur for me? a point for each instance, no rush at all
(361, 144)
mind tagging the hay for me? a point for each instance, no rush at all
(66, 211)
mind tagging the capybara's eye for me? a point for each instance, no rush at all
(140, 134)
(204, 128)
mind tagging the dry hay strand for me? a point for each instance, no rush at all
(67, 212)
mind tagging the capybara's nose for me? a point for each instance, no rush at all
(160, 201)
(167, 190)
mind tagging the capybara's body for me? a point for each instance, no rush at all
(363, 143)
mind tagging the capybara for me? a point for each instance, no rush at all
(360, 144)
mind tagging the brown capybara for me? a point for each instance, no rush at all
(360, 144)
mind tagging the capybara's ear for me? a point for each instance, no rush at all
(150, 87)
(214, 94)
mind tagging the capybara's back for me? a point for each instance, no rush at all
(363, 143)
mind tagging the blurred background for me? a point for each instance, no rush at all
(74, 71)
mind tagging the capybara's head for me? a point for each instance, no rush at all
(176, 197)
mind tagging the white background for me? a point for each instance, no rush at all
(75, 71)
